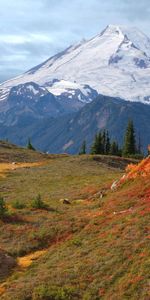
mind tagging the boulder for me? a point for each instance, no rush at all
(65, 201)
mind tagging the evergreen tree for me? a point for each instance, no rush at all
(94, 147)
(129, 147)
(114, 149)
(102, 145)
(83, 148)
(139, 148)
(104, 142)
(29, 145)
(97, 146)
(107, 143)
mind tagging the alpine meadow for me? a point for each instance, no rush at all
(75, 150)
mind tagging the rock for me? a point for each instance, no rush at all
(114, 185)
(123, 211)
(101, 195)
(65, 201)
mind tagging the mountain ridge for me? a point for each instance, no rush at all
(66, 133)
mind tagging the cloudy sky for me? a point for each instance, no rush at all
(33, 30)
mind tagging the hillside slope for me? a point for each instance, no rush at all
(95, 247)
(10, 153)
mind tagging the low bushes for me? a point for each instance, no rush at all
(53, 293)
(18, 205)
(38, 203)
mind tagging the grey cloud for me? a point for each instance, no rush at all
(137, 9)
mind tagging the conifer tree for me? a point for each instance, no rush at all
(139, 147)
(29, 145)
(83, 148)
(99, 143)
(114, 149)
(104, 142)
(94, 147)
(107, 143)
(97, 146)
(129, 147)
(102, 145)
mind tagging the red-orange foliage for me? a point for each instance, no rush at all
(101, 292)
(136, 279)
(140, 170)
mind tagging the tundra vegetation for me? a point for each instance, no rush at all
(97, 247)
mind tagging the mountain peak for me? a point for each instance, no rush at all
(115, 62)
(132, 33)
(121, 29)
(111, 29)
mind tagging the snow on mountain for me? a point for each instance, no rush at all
(30, 90)
(116, 62)
(62, 86)
(71, 90)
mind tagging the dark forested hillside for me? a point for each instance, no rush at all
(66, 133)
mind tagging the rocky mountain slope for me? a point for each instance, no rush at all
(66, 133)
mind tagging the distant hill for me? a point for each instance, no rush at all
(10, 153)
(66, 133)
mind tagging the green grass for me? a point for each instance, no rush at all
(73, 178)
(59, 178)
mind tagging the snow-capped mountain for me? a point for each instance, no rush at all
(29, 101)
(116, 62)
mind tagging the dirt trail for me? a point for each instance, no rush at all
(5, 167)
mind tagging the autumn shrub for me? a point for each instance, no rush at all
(18, 205)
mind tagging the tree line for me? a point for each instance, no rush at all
(103, 144)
